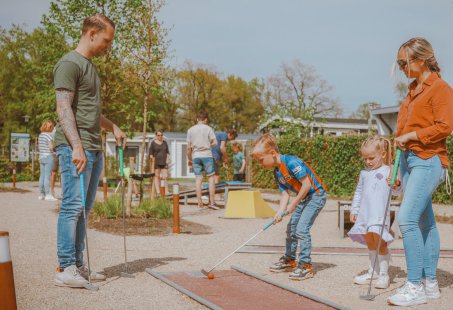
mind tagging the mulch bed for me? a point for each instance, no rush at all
(445, 219)
(146, 227)
(4, 189)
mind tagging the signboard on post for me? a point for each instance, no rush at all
(20, 147)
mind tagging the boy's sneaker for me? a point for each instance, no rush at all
(408, 295)
(365, 278)
(284, 264)
(70, 277)
(41, 197)
(383, 281)
(302, 273)
(213, 206)
(50, 198)
(94, 275)
(431, 288)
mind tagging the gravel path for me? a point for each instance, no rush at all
(32, 226)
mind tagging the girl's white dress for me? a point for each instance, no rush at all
(369, 203)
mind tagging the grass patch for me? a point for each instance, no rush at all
(110, 209)
(157, 208)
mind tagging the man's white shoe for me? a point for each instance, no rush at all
(364, 278)
(94, 275)
(41, 197)
(431, 288)
(70, 277)
(409, 295)
(383, 281)
(50, 198)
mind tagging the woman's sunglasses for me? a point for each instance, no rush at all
(403, 63)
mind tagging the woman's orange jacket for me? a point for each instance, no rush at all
(428, 112)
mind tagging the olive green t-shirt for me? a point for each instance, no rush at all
(78, 74)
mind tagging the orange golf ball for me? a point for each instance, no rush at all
(210, 276)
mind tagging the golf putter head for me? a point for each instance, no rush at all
(90, 286)
(369, 297)
(204, 272)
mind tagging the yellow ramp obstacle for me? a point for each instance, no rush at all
(247, 204)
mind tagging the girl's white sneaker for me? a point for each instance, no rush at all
(383, 281)
(364, 278)
(431, 288)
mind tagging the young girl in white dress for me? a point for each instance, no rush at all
(368, 207)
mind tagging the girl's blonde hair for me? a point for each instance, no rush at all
(420, 48)
(47, 126)
(265, 144)
(381, 144)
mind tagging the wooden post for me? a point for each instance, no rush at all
(130, 186)
(153, 186)
(176, 225)
(7, 289)
(161, 188)
(14, 175)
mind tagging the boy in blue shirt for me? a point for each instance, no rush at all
(238, 163)
(293, 175)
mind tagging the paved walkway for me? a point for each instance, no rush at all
(32, 226)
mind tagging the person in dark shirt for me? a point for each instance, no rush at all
(161, 153)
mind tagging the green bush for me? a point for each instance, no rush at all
(110, 209)
(156, 208)
(335, 159)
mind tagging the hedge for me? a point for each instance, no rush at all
(336, 160)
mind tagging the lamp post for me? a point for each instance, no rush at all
(26, 120)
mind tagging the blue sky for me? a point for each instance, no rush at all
(351, 43)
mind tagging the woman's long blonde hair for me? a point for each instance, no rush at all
(381, 144)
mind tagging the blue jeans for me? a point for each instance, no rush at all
(298, 229)
(45, 169)
(71, 224)
(420, 178)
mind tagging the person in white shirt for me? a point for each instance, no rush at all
(200, 139)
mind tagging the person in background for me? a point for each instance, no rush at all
(238, 163)
(160, 151)
(45, 146)
(200, 139)
(219, 151)
(55, 167)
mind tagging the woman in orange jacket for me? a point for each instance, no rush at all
(425, 120)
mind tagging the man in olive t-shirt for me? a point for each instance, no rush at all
(78, 144)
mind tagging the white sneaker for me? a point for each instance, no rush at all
(41, 197)
(431, 288)
(364, 278)
(70, 277)
(408, 295)
(383, 281)
(50, 198)
(94, 275)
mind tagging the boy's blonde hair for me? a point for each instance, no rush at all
(381, 144)
(265, 144)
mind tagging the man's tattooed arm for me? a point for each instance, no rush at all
(66, 117)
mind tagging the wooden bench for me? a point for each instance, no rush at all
(344, 210)
(221, 187)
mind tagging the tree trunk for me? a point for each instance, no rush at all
(145, 120)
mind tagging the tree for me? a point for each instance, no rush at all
(363, 111)
(401, 90)
(297, 91)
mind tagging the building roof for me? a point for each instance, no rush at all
(323, 122)
(386, 110)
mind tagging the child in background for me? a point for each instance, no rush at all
(293, 175)
(368, 207)
(238, 163)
